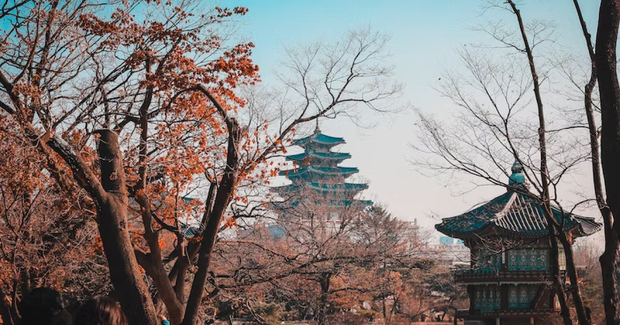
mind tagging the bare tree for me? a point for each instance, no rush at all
(498, 130)
(326, 252)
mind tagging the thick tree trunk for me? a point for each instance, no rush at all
(609, 258)
(609, 90)
(112, 221)
(608, 262)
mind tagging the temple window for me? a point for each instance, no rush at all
(528, 259)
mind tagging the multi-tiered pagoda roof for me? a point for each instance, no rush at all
(317, 170)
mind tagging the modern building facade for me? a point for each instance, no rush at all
(451, 252)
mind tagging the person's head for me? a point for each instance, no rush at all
(43, 306)
(101, 310)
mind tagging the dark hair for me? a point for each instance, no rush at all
(43, 306)
(101, 310)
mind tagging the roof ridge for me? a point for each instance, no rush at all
(514, 213)
(501, 214)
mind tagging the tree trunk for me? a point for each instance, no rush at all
(609, 90)
(155, 268)
(384, 309)
(609, 258)
(608, 261)
(224, 194)
(181, 266)
(5, 308)
(545, 197)
(325, 282)
(574, 283)
(112, 221)
(558, 284)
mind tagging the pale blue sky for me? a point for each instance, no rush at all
(425, 36)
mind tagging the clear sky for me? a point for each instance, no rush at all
(425, 35)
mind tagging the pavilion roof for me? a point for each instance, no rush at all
(322, 171)
(339, 203)
(326, 187)
(320, 138)
(516, 213)
(321, 155)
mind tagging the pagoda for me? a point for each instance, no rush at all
(317, 177)
(510, 277)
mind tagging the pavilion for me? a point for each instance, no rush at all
(509, 281)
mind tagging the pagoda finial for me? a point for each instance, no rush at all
(517, 177)
(316, 129)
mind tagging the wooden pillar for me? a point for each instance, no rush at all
(504, 297)
(472, 295)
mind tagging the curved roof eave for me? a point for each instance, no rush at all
(591, 226)
(319, 138)
(519, 216)
(332, 171)
(328, 155)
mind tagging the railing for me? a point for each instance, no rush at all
(525, 312)
(486, 275)
(477, 313)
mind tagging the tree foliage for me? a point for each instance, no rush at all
(131, 106)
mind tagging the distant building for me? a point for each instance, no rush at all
(317, 181)
(443, 240)
(410, 234)
(451, 252)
